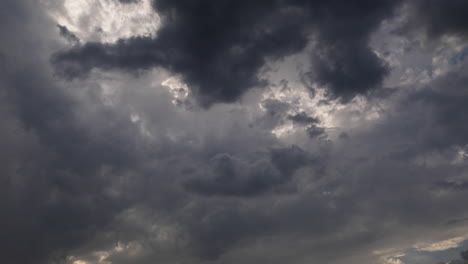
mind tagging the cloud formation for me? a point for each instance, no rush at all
(237, 159)
(219, 48)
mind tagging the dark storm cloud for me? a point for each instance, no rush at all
(50, 114)
(302, 118)
(315, 131)
(348, 69)
(438, 18)
(68, 35)
(445, 103)
(463, 258)
(218, 47)
(76, 173)
(66, 187)
(344, 63)
(215, 228)
(287, 160)
(311, 123)
(52, 197)
(230, 176)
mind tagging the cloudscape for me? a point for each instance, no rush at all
(234, 131)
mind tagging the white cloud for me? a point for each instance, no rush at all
(107, 20)
(441, 245)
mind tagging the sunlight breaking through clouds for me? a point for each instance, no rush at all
(207, 131)
(108, 20)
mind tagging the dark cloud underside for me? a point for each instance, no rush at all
(438, 18)
(219, 47)
(131, 175)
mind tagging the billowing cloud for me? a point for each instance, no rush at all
(232, 176)
(219, 48)
(437, 19)
(232, 132)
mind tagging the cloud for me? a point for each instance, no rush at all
(219, 48)
(303, 119)
(106, 167)
(438, 19)
(442, 245)
(234, 177)
(348, 69)
(68, 35)
(463, 260)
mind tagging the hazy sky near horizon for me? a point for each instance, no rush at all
(228, 131)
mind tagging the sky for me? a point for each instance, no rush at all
(228, 131)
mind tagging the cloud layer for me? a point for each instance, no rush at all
(290, 131)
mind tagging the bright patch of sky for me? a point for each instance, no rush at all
(107, 20)
(438, 252)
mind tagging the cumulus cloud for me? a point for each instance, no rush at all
(219, 48)
(232, 176)
(202, 142)
(437, 19)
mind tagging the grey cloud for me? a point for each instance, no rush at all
(231, 176)
(463, 260)
(312, 129)
(53, 198)
(302, 118)
(464, 254)
(287, 160)
(315, 131)
(436, 18)
(450, 185)
(275, 114)
(79, 177)
(219, 48)
(445, 105)
(222, 227)
(217, 53)
(68, 35)
(128, 1)
(348, 69)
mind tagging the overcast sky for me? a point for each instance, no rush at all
(233, 132)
